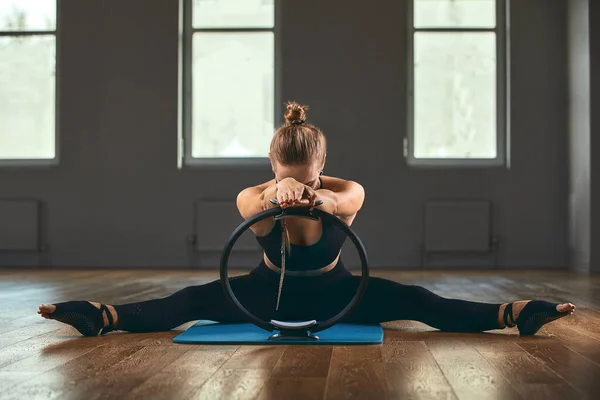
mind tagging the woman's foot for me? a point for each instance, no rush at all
(529, 316)
(87, 317)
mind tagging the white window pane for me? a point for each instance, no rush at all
(232, 94)
(27, 97)
(454, 13)
(233, 13)
(27, 15)
(455, 95)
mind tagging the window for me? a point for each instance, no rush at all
(28, 82)
(228, 80)
(457, 90)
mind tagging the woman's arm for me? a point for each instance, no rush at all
(255, 199)
(341, 198)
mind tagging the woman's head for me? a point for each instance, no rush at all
(298, 149)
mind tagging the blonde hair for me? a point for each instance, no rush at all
(297, 142)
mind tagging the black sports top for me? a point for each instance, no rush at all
(304, 258)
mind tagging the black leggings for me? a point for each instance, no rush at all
(306, 298)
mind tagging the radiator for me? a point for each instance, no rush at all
(458, 226)
(19, 225)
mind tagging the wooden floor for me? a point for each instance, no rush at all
(47, 360)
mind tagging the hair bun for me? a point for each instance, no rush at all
(295, 114)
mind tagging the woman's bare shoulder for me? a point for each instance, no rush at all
(336, 184)
(257, 188)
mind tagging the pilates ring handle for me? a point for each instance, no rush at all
(278, 213)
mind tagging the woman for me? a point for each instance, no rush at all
(317, 285)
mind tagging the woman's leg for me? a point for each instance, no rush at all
(386, 300)
(191, 303)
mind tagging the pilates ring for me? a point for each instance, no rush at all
(294, 329)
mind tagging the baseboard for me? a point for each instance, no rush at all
(235, 269)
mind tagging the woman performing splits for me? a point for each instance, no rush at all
(317, 285)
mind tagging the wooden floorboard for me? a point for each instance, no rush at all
(356, 373)
(48, 360)
(412, 372)
(184, 377)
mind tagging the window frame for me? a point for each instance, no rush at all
(501, 31)
(184, 156)
(54, 161)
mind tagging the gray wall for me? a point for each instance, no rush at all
(118, 199)
(584, 127)
(579, 133)
(594, 10)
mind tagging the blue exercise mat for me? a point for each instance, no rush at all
(209, 332)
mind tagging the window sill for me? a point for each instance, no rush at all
(28, 164)
(434, 163)
(224, 163)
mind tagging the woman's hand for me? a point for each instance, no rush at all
(310, 195)
(290, 192)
